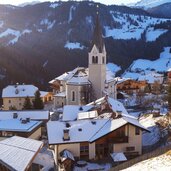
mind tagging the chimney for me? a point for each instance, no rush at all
(15, 115)
(119, 113)
(66, 135)
(28, 119)
(81, 108)
(23, 121)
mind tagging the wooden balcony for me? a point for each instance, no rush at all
(123, 139)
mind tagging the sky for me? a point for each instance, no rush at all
(107, 2)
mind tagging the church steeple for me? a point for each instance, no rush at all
(97, 62)
(97, 36)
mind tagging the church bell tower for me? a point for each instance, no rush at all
(97, 62)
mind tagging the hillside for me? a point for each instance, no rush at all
(162, 162)
(142, 67)
(149, 3)
(41, 41)
(161, 10)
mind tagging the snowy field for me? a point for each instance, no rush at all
(93, 166)
(143, 67)
(160, 163)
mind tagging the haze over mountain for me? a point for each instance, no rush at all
(41, 41)
(149, 3)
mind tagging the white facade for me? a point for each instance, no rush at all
(97, 71)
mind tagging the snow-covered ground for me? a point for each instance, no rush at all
(160, 163)
(113, 67)
(152, 35)
(132, 26)
(149, 3)
(16, 33)
(93, 166)
(72, 9)
(73, 45)
(47, 23)
(54, 5)
(143, 67)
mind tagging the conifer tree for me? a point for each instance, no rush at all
(37, 102)
(27, 104)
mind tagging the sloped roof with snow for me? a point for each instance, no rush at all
(32, 114)
(43, 93)
(87, 115)
(86, 130)
(114, 104)
(79, 76)
(17, 153)
(66, 154)
(117, 157)
(19, 91)
(70, 112)
(61, 94)
(15, 125)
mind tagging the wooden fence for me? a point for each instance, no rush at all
(146, 156)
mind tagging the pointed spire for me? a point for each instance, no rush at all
(97, 36)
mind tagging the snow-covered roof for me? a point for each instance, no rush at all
(66, 154)
(79, 76)
(70, 112)
(63, 76)
(118, 157)
(79, 80)
(87, 115)
(61, 94)
(19, 91)
(17, 153)
(115, 104)
(43, 93)
(32, 114)
(121, 80)
(86, 130)
(169, 70)
(15, 125)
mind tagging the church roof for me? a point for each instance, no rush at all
(97, 36)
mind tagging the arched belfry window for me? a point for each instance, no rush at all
(96, 61)
(103, 59)
(93, 59)
(73, 96)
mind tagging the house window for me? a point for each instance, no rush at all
(9, 101)
(137, 131)
(73, 96)
(132, 148)
(84, 150)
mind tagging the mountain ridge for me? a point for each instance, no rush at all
(32, 35)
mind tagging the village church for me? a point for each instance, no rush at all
(83, 85)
